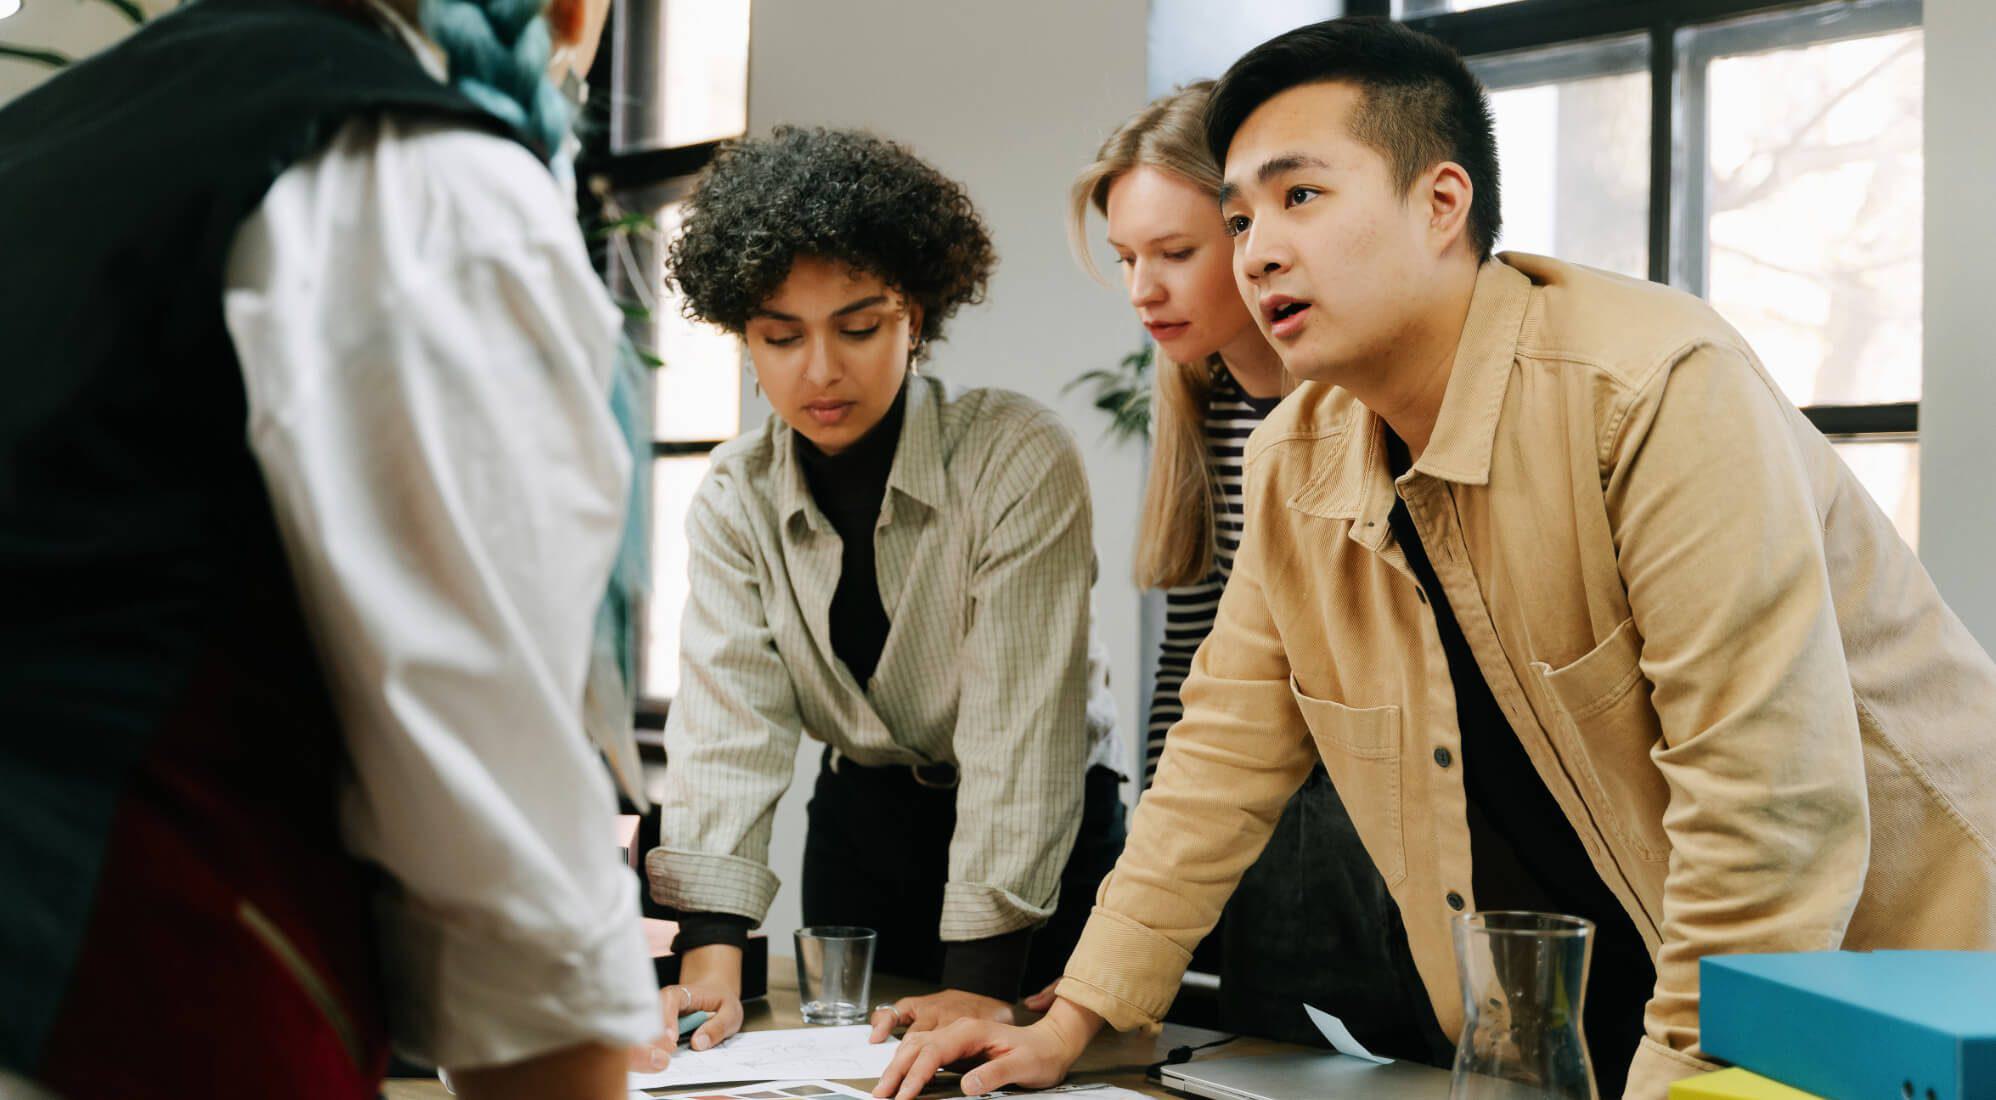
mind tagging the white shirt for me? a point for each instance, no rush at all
(427, 356)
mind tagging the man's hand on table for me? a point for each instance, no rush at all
(1034, 1057)
(938, 1010)
(711, 982)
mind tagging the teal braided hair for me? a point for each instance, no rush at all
(499, 51)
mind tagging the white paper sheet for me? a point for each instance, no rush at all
(797, 1054)
(768, 1090)
(1086, 1092)
(1340, 1036)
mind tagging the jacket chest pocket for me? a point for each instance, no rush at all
(1603, 726)
(1360, 747)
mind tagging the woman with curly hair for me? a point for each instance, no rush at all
(900, 568)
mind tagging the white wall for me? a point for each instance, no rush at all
(1011, 99)
(1957, 506)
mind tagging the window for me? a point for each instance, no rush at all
(678, 85)
(1765, 154)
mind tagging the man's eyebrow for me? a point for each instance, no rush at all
(1270, 169)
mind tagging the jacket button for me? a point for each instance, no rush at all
(1455, 901)
(1444, 757)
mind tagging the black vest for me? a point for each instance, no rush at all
(145, 604)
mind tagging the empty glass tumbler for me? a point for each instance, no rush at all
(834, 973)
(1524, 977)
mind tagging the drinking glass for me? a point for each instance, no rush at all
(834, 973)
(1524, 976)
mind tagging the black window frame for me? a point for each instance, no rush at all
(1678, 140)
(643, 177)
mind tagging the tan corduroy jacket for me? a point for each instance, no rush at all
(1735, 678)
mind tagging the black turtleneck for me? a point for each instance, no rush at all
(849, 487)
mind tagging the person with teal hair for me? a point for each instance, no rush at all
(319, 544)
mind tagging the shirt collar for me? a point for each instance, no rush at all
(1466, 428)
(1358, 485)
(428, 54)
(917, 472)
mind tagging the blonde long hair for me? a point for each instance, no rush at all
(1176, 540)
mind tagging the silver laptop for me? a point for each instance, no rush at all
(1324, 1076)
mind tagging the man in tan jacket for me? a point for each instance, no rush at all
(1576, 608)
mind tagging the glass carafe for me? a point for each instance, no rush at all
(1524, 977)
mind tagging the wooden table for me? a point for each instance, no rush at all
(1114, 1059)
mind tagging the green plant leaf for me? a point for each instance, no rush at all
(50, 58)
(1123, 393)
(130, 9)
(624, 223)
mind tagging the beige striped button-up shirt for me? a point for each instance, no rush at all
(985, 557)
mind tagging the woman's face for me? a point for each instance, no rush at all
(830, 349)
(1177, 263)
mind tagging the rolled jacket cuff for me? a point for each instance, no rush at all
(1124, 972)
(702, 882)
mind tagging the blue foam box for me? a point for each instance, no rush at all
(1847, 1025)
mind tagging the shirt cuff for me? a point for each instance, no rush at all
(989, 967)
(708, 929)
(461, 997)
(974, 911)
(1124, 972)
(702, 882)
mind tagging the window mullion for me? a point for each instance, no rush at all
(1662, 133)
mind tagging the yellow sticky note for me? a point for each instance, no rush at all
(1735, 1084)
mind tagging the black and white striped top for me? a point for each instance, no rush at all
(1188, 611)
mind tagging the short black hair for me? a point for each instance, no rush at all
(840, 195)
(1421, 105)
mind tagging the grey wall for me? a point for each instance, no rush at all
(1011, 99)
(1957, 457)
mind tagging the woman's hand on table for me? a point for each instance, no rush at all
(712, 983)
(938, 1010)
(1035, 1057)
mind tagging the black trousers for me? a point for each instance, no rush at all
(877, 855)
(1312, 922)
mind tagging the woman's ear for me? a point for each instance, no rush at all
(567, 21)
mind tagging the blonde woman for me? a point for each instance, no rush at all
(1312, 921)
(310, 485)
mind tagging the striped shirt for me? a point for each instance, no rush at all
(1188, 610)
(984, 553)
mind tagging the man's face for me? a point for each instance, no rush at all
(1334, 260)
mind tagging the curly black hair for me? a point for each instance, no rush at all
(842, 195)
